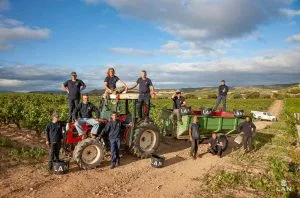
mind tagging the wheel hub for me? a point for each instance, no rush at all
(147, 140)
(90, 154)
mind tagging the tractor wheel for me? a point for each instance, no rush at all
(88, 153)
(224, 141)
(146, 141)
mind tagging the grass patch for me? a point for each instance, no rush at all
(27, 153)
(5, 142)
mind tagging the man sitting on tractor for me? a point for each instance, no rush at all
(146, 90)
(85, 110)
(178, 102)
(110, 84)
(215, 145)
(113, 131)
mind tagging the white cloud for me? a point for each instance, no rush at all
(184, 50)
(203, 19)
(14, 30)
(294, 38)
(290, 12)
(10, 83)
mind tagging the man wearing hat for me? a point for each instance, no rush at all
(178, 102)
(73, 87)
(222, 94)
(54, 136)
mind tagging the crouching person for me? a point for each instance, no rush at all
(85, 110)
(215, 145)
(54, 136)
(113, 130)
(194, 132)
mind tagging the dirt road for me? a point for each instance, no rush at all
(181, 176)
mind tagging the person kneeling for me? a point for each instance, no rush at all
(113, 130)
(215, 145)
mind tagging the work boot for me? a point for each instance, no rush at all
(112, 166)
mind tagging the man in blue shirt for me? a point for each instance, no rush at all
(113, 130)
(178, 102)
(194, 133)
(146, 90)
(222, 94)
(73, 87)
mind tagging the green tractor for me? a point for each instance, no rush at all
(140, 137)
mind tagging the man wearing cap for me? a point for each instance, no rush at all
(85, 110)
(222, 94)
(73, 87)
(146, 90)
(178, 102)
(54, 136)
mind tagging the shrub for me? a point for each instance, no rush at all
(237, 96)
(212, 96)
(253, 95)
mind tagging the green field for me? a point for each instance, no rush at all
(292, 105)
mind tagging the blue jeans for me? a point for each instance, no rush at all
(144, 99)
(90, 121)
(223, 98)
(115, 150)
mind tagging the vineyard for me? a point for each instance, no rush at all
(32, 111)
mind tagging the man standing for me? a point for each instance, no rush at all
(54, 136)
(146, 90)
(223, 90)
(85, 110)
(248, 129)
(215, 145)
(113, 130)
(178, 102)
(73, 87)
(194, 133)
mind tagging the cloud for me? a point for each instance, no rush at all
(12, 30)
(203, 19)
(184, 50)
(273, 67)
(294, 38)
(290, 12)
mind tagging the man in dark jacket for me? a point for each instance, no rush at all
(215, 145)
(54, 136)
(222, 94)
(85, 110)
(146, 90)
(73, 87)
(194, 133)
(113, 131)
(248, 129)
(178, 102)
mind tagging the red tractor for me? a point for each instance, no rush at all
(141, 138)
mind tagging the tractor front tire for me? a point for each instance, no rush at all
(88, 153)
(146, 141)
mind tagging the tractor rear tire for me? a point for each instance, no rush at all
(146, 141)
(224, 141)
(88, 153)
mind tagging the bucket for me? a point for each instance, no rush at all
(207, 111)
(157, 161)
(239, 139)
(186, 110)
(60, 167)
(238, 113)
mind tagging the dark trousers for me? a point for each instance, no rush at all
(219, 99)
(216, 150)
(54, 153)
(143, 100)
(194, 147)
(72, 105)
(247, 142)
(115, 150)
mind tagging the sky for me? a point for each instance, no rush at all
(180, 43)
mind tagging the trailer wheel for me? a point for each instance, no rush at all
(224, 141)
(146, 141)
(88, 153)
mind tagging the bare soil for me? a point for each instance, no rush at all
(180, 177)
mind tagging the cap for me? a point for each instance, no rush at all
(178, 91)
(55, 114)
(73, 74)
